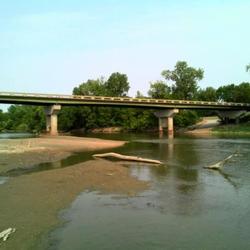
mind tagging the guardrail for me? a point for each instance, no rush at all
(115, 100)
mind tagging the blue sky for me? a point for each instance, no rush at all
(52, 46)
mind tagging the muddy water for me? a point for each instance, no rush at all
(186, 207)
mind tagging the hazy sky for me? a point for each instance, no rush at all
(51, 46)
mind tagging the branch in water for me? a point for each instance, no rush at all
(219, 164)
(127, 158)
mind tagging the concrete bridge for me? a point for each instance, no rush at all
(165, 108)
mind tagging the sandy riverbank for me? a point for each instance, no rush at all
(19, 153)
(204, 127)
(31, 203)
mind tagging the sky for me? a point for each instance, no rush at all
(52, 46)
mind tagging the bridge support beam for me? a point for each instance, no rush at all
(51, 119)
(166, 120)
(227, 115)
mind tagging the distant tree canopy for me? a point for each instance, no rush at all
(91, 87)
(159, 90)
(180, 83)
(116, 85)
(234, 93)
(185, 80)
(207, 94)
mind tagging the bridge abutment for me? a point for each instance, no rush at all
(51, 113)
(166, 120)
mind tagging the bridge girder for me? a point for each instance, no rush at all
(74, 100)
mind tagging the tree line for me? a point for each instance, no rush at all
(179, 83)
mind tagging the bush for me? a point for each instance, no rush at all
(186, 118)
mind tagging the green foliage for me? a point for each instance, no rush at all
(234, 93)
(25, 118)
(209, 94)
(3, 118)
(186, 118)
(159, 90)
(226, 93)
(91, 87)
(185, 80)
(138, 120)
(117, 85)
(234, 128)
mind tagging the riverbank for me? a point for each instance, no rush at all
(31, 202)
(202, 128)
(232, 129)
(36, 199)
(25, 153)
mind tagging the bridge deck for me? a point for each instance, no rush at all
(76, 100)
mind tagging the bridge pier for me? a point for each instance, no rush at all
(51, 119)
(166, 120)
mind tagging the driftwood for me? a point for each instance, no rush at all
(127, 158)
(219, 164)
(6, 233)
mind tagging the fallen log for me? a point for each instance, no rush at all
(219, 164)
(127, 158)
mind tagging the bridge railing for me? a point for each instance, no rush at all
(118, 99)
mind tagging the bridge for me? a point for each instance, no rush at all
(165, 108)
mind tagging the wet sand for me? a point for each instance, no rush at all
(19, 153)
(31, 203)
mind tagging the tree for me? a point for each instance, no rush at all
(3, 120)
(234, 93)
(159, 90)
(208, 94)
(91, 87)
(25, 118)
(243, 92)
(185, 80)
(117, 85)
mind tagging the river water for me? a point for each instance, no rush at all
(186, 207)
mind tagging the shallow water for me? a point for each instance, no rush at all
(3, 179)
(187, 206)
(16, 135)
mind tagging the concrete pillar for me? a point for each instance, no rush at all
(160, 125)
(166, 116)
(51, 119)
(170, 127)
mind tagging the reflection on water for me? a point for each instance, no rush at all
(187, 207)
(69, 161)
(3, 179)
(16, 135)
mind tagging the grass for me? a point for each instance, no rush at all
(243, 128)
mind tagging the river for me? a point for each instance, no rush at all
(186, 206)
